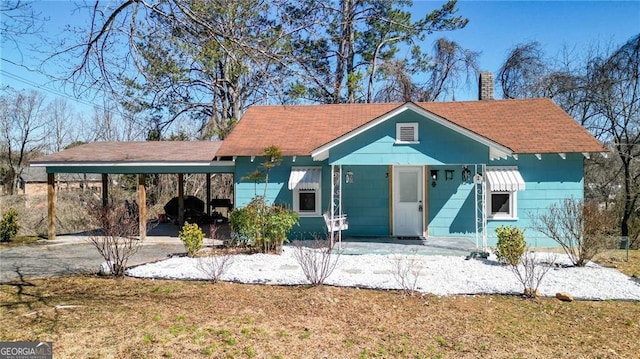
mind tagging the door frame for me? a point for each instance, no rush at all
(392, 190)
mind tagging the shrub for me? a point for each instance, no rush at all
(316, 259)
(214, 266)
(192, 238)
(112, 232)
(406, 271)
(9, 225)
(530, 272)
(511, 244)
(261, 226)
(582, 230)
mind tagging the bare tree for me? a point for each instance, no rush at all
(18, 18)
(524, 71)
(443, 71)
(22, 132)
(602, 92)
(60, 128)
(615, 95)
(201, 61)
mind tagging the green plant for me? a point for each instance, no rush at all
(9, 225)
(192, 237)
(511, 244)
(259, 224)
(263, 226)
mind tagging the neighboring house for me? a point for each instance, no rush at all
(33, 182)
(444, 169)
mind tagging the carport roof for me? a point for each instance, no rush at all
(136, 157)
(152, 151)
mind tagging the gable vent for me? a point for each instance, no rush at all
(407, 132)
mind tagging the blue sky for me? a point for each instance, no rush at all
(494, 28)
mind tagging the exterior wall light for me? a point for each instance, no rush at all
(434, 177)
(348, 177)
(466, 174)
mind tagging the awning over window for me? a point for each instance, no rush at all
(504, 179)
(305, 178)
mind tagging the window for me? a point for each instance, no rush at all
(502, 205)
(407, 133)
(305, 182)
(503, 184)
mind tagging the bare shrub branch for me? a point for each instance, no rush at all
(530, 272)
(406, 271)
(316, 258)
(580, 229)
(113, 234)
(215, 265)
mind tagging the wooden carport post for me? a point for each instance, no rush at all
(180, 199)
(142, 207)
(51, 206)
(208, 184)
(105, 190)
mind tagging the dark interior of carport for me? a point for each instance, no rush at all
(139, 158)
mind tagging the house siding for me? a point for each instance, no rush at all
(437, 145)
(450, 204)
(548, 181)
(278, 191)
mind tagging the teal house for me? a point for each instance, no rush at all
(417, 170)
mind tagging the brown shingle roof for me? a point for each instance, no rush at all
(156, 151)
(524, 126)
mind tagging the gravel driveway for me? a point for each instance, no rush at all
(72, 255)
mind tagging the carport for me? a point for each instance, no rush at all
(140, 158)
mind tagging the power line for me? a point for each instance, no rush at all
(48, 89)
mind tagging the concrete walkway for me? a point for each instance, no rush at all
(454, 246)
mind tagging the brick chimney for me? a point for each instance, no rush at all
(485, 86)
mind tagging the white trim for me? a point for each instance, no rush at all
(322, 152)
(513, 206)
(539, 156)
(562, 155)
(586, 155)
(413, 126)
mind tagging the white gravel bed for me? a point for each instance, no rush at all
(439, 275)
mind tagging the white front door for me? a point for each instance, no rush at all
(408, 208)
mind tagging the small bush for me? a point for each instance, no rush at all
(214, 266)
(112, 233)
(406, 271)
(316, 259)
(530, 272)
(262, 226)
(192, 238)
(581, 229)
(511, 244)
(9, 225)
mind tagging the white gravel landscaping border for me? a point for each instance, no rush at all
(439, 275)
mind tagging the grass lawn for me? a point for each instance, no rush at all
(90, 317)
(20, 241)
